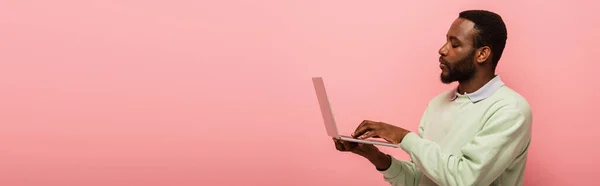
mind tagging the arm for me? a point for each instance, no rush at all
(404, 173)
(396, 172)
(401, 173)
(503, 137)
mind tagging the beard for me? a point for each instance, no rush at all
(463, 70)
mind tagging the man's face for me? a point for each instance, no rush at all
(457, 55)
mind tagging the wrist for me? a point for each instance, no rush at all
(372, 154)
(380, 160)
(401, 134)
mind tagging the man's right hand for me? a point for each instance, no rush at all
(356, 148)
(379, 159)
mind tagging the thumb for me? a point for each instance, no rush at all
(367, 134)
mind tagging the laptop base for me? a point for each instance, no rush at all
(367, 141)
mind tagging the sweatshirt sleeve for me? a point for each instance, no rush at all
(404, 173)
(401, 173)
(504, 136)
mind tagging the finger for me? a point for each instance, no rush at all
(359, 130)
(368, 134)
(349, 145)
(362, 128)
(343, 145)
(361, 125)
(338, 145)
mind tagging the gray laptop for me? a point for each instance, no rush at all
(329, 120)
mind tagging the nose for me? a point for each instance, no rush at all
(443, 50)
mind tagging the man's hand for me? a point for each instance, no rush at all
(380, 160)
(369, 129)
(356, 148)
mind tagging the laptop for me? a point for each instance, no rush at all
(329, 120)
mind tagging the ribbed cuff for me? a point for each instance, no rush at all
(409, 141)
(394, 169)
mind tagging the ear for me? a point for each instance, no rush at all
(483, 54)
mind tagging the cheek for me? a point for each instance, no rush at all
(453, 56)
(457, 58)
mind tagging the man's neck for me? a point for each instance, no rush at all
(475, 83)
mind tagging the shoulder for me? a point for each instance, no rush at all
(506, 109)
(506, 98)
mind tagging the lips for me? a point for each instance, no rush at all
(443, 63)
(442, 60)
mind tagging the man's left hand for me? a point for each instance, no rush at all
(390, 133)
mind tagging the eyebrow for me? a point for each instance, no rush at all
(452, 37)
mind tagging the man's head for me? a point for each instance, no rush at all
(474, 44)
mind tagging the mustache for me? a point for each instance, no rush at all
(443, 61)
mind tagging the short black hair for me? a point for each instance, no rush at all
(491, 31)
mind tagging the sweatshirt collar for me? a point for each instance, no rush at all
(484, 92)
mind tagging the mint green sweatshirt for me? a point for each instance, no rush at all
(480, 138)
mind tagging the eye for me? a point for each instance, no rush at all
(454, 43)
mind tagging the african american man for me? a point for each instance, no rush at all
(475, 134)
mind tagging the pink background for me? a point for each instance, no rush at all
(219, 92)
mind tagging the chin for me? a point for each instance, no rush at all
(445, 79)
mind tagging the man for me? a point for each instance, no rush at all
(476, 134)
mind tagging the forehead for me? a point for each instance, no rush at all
(462, 29)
